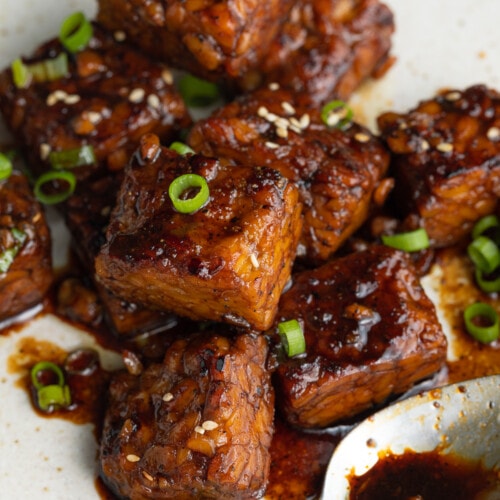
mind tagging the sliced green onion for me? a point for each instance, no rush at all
(49, 70)
(336, 114)
(196, 92)
(487, 285)
(181, 148)
(8, 256)
(50, 395)
(482, 225)
(20, 74)
(181, 186)
(5, 166)
(412, 241)
(48, 177)
(292, 337)
(75, 32)
(484, 253)
(484, 333)
(71, 158)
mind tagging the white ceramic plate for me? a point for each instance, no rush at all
(438, 44)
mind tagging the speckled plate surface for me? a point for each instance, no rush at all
(438, 44)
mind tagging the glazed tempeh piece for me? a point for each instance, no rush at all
(25, 248)
(198, 425)
(446, 161)
(212, 39)
(370, 330)
(229, 261)
(110, 97)
(87, 214)
(335, 170)
(326, 49)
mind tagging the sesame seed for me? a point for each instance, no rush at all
(209, 425)
(403, 126)
(424, 145)
(119, 35)
(493, 133)
(167, 77)
(360, 137)
(60, 94)
(281, 122)
(288, 108)
(444, 147)
(133, 458)
(154, 101)
(305, 121)
(147, 475)
(137, 95)
(262, 111)
(294, 122)
(45, 150)
(71, 99)
(272, 145)
(93, 116)
(271, 117)
(453, 96)
(254, 261)
(168, 397)
(282, 132)
(274, 86)
(200, 430)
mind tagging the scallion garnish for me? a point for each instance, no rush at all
(183, 186)
(483, 224)
(487, 285)
(9, 254)
(57, 177)
(20, 74)
(336, 114)
(71, 158)
(42, 71)
(196, 92)
(411, 241)
(481, 322)
(51, 395)
(484, 253)
(181, 148)
(292, 337)
(5, 167)
(75, 32)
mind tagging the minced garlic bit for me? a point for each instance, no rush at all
(168, 397)
(119, 35)
(493, 133)
(209, 425)
(254, 261)
(361, 137)
(445, 147)
(133, 458)
(136, 95)
(199, 429)
(45, 150)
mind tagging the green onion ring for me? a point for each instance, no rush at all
(184, 183)
(196, 92)
(486, 285)
(411, 241)
(5, 167)
(8, 255)
(181, 148)
(42, 366)
(54, 175)
(53, 395)
(484, 334)
(292, 337)
(483, 224)
(75, 32)
(49, 70)
(71, 158)
(21, 75)
(484, 253)
(339, 119)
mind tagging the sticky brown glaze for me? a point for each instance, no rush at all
(212, 39)
(198, 425)
(370, 331)
(336, 171)
(25, 282)
(446, 160)
(229, 261)
(87, 214)
(111, 96)
(326, 49)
